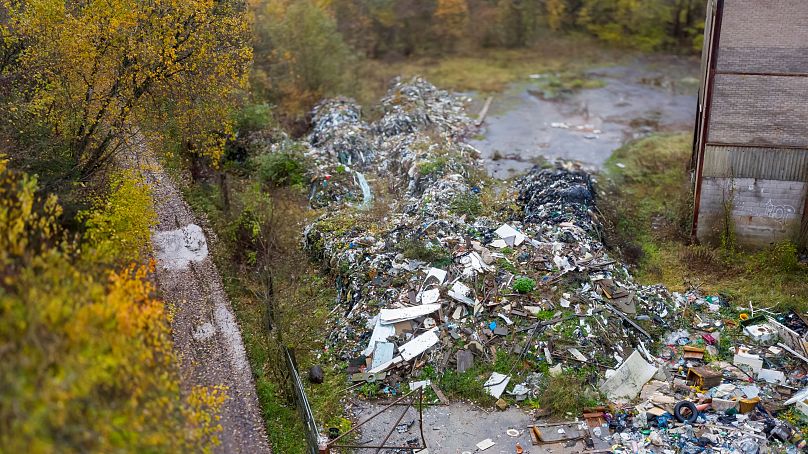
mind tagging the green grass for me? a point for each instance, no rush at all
(302, 297)
(568, 393)
(648, 204)
(490, 70)
(552, 86)
(468, 204)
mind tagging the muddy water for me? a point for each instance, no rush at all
(638, 98)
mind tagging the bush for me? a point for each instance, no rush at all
(779, 257)
(253, 117)
(88, 361)
(118, 226)
(566, 393)
(468, 204)
(524, 285)
(281, 168)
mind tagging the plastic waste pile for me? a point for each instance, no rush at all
(439, 278)
(340, 135)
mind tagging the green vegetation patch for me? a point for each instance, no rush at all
(647, 204)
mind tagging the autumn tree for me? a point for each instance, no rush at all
(555, 11)
(88, 363)
(637, 23)
(301, 55)
(451, 20)
(94, 72)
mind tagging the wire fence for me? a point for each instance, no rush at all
(302, 403)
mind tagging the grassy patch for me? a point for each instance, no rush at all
(558, 85)
(468, 204)
(647, 204)
(489, 70)
(567, 393)
(426, 252)
(300, 299)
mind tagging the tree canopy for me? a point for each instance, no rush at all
(93, 72)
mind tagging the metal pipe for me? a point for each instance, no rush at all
(331, 443)
(421, 416)
(392, 429)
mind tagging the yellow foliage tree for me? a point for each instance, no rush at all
(96, 69)
(118, 224)
(555, 13)
(87, 357)
(451, 19)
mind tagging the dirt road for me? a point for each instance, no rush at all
(206, 335)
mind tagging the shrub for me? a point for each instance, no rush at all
(524, 285)
(566, 393)
(88, 362)
(282, 168)
(468, 204)
(118, 224)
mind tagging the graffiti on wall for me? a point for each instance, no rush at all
(780, 213)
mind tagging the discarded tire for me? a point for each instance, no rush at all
(316, 375)
(690, 407)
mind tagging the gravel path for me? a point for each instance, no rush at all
(206, 334)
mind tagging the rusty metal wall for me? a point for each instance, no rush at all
(765, 163)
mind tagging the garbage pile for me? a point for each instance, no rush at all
(417, 105)
(440, 280)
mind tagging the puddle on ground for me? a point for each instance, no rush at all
(645, 96)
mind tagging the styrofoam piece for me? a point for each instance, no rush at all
(627, 381)
(496, 384)
(419, 344)
(380, 333)
(389, 316)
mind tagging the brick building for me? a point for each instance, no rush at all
(750, 153)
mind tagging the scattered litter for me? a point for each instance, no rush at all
(176, 249)
(432, 282)
(485, 444)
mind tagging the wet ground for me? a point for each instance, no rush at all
(452, 429)
(644, 96)
(456, 428)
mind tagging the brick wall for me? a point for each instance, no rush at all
(770, 110)
(768, 36)
(766, 115)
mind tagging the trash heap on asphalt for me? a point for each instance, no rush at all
(439, 281)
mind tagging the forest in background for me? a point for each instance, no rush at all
(307, 49)
(210, 84)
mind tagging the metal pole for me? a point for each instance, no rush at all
(395, 424)
(331, 443)
(421, 416)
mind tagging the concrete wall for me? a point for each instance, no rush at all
(755, 161)
(763, 211)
